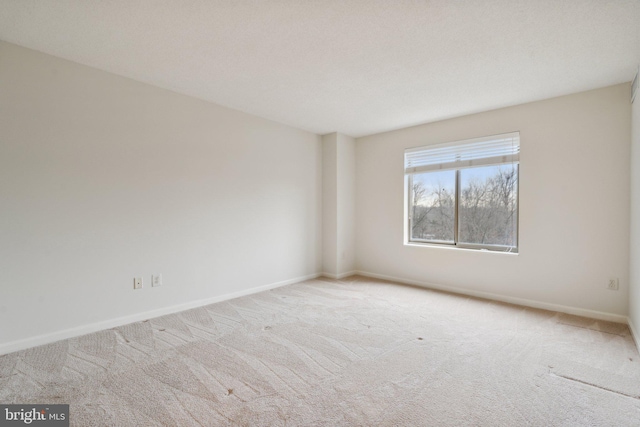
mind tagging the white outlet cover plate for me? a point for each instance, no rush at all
(156, 280)
(137, 283)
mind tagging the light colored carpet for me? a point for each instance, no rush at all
(356, 352)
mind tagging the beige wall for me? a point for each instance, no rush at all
(330, 204)
(634, 285)
(574, 206)
(103, 178)
(338, 205)
(346, 161)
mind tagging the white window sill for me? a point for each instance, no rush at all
(458, 248)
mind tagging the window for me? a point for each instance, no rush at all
(464, 193)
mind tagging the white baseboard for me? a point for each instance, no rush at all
(634, 334)
(25, 343)
(511, 300)
(339, 276)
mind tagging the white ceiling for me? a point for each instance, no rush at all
(353, 66)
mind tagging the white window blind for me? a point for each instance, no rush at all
(486, 151)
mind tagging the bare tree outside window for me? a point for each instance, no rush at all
(433, 206)
(487, 206)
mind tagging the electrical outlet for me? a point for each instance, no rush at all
(613, 283)
(156, 280)
(137, 283)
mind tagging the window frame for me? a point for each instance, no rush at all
(408, 240)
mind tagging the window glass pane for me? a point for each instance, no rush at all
(432, 206)
(488, 211)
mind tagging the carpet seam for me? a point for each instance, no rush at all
(593, 385)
